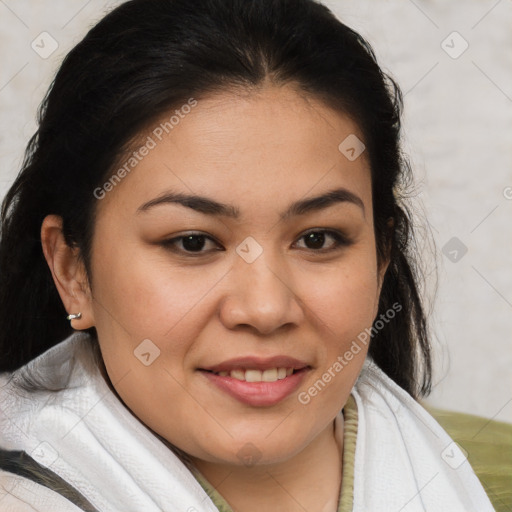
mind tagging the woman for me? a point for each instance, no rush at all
(219, 295)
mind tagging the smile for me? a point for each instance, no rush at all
(250, 387)
(270, 375)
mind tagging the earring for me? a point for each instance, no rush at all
(74, 317)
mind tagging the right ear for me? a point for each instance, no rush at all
(68, 272)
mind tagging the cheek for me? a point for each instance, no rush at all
(144, 306)
(344, 304)
(146, 295)
(345, 299)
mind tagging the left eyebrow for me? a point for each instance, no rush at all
(339, 195)
(208, 206)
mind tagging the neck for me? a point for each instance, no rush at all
(310, 480)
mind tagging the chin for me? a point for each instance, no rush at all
(256, 451)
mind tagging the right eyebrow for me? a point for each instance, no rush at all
(200, 204)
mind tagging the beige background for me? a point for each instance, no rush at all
(458, 132)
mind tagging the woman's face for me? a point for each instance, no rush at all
(252, 294)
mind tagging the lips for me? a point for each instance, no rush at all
(256, 363)
(256, 381)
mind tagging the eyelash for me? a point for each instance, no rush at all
(340, 241)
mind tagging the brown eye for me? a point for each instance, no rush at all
(315, 240)
(191, 244)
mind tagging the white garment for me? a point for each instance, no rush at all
(89, 438)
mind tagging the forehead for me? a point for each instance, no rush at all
(237, 144)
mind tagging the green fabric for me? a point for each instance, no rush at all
(489, 447)
(347, 482)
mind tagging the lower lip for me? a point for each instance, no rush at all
(258, 394)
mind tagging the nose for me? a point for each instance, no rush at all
(261, 297)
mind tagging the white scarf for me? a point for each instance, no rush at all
(404, 461)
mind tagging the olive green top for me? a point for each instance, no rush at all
(347, 483)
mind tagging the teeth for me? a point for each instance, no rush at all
(253, 375)
(238, 374)
(270, 375)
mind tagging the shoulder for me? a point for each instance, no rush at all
(20, 494)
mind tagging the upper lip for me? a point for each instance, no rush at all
(257, 363)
